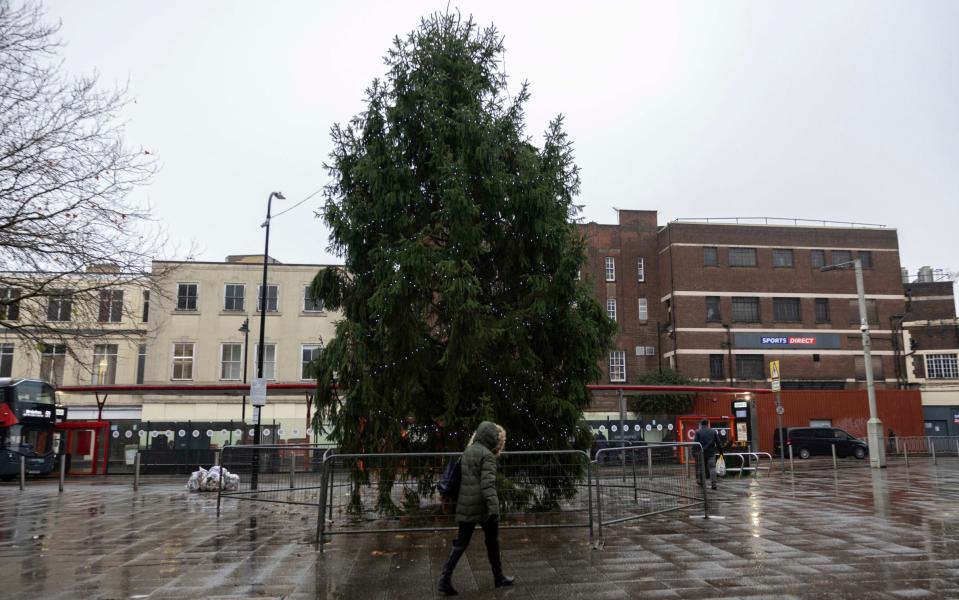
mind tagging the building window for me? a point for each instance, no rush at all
(104, 364)
(310, 353)
(749, 366)
(669, 312)
(782, 258)
(787, 309)
(311, 304)
(231, 361)
(146, 306)
(865, 257)
(746, 310)
(742, 257)
(712, 309)
(617, 366)
(841, 256)
(817, 258)
(611, 308)
(9, 304)
(186, 294)
(111, 306)
(272, 297)
(643, 309)
(269, 361)
(942, 366)
(641, 269)
(650, 350)
(716, 370)
(872, 311)
(876, 368)
(822, 310)
(53, 357)
(183, 360)
(141, 362)
(233, 296)
(710, 256)
(60, 307)
(6, 360)
(610, 268)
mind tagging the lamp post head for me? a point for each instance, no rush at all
(278, 195)
(245, 327)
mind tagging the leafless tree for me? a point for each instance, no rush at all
(69, 234)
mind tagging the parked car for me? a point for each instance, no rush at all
(809, 441)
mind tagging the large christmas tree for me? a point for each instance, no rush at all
(461, 298)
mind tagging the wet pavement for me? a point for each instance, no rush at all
(855, 534)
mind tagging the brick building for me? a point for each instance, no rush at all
(931, 343)
(718, 301)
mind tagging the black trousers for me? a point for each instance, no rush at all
(491, 533)
(465, 534)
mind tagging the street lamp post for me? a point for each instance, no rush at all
(245, 330)
(874, 427)
(257, 410)
(260, 349)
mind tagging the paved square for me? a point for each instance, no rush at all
(858, 534)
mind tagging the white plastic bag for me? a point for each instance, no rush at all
(720, 466)
(196, 480)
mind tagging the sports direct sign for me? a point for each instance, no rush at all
(795, 341)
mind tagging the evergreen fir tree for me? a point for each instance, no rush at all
(460, 293)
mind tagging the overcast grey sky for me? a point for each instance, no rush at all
(841, 110)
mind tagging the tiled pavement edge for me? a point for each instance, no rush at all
(860, 534)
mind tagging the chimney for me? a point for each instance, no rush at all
(925, 274)
(904, 272)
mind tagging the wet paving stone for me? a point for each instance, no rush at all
(851, 534)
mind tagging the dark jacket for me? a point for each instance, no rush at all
(710, 439)
(477, 500)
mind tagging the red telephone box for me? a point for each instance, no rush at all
(86, 443)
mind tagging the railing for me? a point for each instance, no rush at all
(637, 481)
(286, 473)
(746, 464)
(776, 221)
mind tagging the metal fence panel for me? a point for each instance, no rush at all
(637, 481)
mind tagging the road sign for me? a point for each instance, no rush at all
(780, 410)
(774, 370)
(258, 391)
(776, 385)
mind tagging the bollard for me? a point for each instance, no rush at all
(23, 472)
(63, 470)
(649, 460)
(136, 471)
(957, 447)
(932, 448)
(905, 453)
(705, 470)
(635, 490)
(292, 469)
(833, 446)
(686, 462)
(791, 468)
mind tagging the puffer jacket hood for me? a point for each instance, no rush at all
(487, 434)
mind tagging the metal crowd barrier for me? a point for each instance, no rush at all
(639, 481)
(396, 492)
(746, 462)
(286, 473)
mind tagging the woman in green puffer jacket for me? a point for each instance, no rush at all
(477, 502)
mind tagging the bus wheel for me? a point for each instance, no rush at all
(804, 453)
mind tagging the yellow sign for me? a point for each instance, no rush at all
(774, 370)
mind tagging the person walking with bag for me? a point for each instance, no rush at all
(712, 443)
(477, 502)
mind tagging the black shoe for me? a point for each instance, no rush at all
(503, 580)
(446, 587)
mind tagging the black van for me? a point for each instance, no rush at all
(808, 441)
